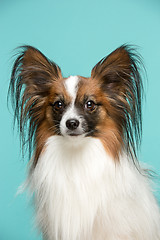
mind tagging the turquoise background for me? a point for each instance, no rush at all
(76, 35)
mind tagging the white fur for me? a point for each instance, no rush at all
(71, 85)
(71, 113)
(81, 194)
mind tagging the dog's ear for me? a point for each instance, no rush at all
(120, 79)
(118, 72)
(32, 76)
(34, 71)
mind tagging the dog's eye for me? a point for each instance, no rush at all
(90, 105)
(58, 105)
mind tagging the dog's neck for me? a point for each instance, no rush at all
(72, 182)
(80, 191)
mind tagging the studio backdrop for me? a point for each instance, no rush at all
(76, 35)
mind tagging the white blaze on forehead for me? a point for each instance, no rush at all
(71, 84)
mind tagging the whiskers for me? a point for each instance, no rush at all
(55, 128)
(90, 133)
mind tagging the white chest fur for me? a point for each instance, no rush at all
(81, 194)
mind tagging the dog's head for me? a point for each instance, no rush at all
(107, 105)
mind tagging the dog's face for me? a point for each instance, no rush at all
(78, 109)
(106, 105)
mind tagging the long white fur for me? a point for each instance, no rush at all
(81, 194)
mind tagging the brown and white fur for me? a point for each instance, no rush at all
(84, 133)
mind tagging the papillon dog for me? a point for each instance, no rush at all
(83, 135)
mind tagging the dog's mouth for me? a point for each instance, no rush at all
(78, 133)
(75, 131)
(74, 134)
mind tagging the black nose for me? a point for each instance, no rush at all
(72, 124)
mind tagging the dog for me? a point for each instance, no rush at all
(83, 135)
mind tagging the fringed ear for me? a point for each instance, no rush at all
(119, 77)
(31, 79)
